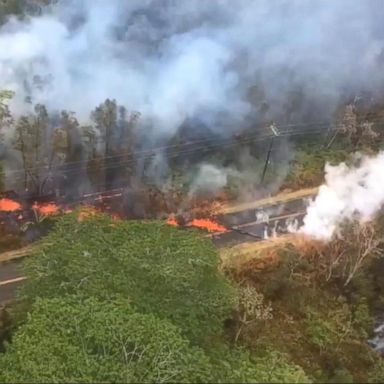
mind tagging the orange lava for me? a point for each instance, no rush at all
(209, 225)
(9, 205)
(46, 209)
(86, 212)
(172, 221)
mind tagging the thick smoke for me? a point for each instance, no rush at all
(229, 63)
(349, 192)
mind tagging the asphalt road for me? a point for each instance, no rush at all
(255, 231)
(251, 215)
(8, 272)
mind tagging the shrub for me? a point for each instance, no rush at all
(308, 166)
(362, 319)
(272, 368)
(319, 332)
(376, 375)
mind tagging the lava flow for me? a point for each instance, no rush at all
(8, 205)
(209, 225)
(47, 209)
(172, 221)
(206, 224)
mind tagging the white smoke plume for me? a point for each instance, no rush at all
(210, 179)
(218, 60)
(349, 192)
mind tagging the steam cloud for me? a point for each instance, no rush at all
(217, 60)
(349, 192)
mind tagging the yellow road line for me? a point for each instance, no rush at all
(16, 254)
(280, 198)
(12, 281)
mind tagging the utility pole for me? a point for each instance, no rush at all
(276, 133)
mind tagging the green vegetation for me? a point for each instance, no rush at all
(87, 340)
(118, 301)
(99, 290)
(355, 131)
(323, 314)
(130, 301)
(307, 168)
(20, 8)
(162, 270)
(74, 339)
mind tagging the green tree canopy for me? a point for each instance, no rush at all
(77, 339)
(160, 269)
(86, 340)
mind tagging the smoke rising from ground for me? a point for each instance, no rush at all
(349, 192)
(210, 179)
(228, 63)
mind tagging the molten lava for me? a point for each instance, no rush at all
(9, 205)
(207, 224)
(86, 212)
(47, 209)
(172, 221)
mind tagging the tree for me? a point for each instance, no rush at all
(87, 340)
(94, 162)
(369, 137)
(6, 122)
(105, 118)
(32, 140)
(348, 253)
(5, 114)
(161, 269)
(67, 146)
(349, 121)
(126, 124)
(237, 366)
(78, 339)
(10, 7)
(251, 308)
(21, 8)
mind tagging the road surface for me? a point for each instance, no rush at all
(10, 279)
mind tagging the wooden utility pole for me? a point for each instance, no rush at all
(276, 133)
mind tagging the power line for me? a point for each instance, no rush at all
(226, 143)
(149, 153)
